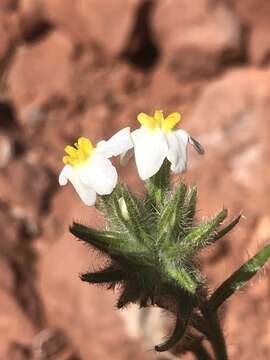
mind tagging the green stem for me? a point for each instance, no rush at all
(201, 353)
(216, 336)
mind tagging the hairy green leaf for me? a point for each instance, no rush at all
(239, 278)
(101, 240)
(108, 275)
(178, 333)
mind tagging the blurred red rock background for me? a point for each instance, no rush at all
(87, 67)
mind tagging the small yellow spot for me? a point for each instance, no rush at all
(158, 122)
(79, 153)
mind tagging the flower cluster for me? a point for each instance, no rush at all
(90, 171)
(152, 242)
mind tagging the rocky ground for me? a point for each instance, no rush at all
(87, 67)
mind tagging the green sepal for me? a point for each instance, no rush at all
(170, 218)
(136, 224)
(227, 228)
(200, 236)
(184, 279)
(190, 207)
(158, 186)
(239, 278)
(106, 206)
(103, 204)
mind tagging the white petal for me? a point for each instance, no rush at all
(177, 153)
(86, 193)
(116, 145)
(150, 151)
(99, 174)
(64, 175)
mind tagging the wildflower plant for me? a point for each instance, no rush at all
(152, 241)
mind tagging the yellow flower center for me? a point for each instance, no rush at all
(79, 153)
(158, 121)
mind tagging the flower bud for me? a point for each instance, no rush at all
(123, 208)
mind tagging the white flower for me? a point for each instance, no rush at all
(89, 169)
(156, 140)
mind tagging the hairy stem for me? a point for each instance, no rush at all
(201, 353)
(215, 332)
